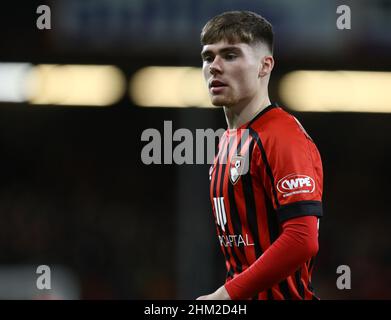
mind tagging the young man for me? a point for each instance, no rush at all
(267, 210)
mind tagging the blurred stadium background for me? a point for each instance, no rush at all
(74, 100)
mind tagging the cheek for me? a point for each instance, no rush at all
(205, 73)
(247, 81)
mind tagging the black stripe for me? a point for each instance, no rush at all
(267, 166)
(230, 273)
(269, 107)
(251, 213)
(270, 294)
(299, 209)
(299, 284)
(284, 288)
(311, 266)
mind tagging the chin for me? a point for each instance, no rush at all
(218, 104)
(220, 101)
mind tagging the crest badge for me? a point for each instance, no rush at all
(237, 168)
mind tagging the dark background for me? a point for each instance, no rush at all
(74, 192)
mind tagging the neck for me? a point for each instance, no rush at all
(242, 113)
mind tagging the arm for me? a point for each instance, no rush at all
(297, 243)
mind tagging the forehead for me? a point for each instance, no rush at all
(223, 46)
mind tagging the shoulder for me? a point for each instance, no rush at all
(278, 125)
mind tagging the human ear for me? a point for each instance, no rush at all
(266, 67)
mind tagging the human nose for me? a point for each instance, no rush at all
(215, 66)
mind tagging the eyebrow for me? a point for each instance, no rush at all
(221, 51)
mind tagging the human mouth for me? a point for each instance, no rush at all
(216, 86)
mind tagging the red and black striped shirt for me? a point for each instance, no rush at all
(266, 172)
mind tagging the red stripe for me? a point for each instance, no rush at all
(293, 289)
(277, 295)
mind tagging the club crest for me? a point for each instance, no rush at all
(236, 169)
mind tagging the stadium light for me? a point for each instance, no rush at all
(13, 81)
(80, 85)
(169, 87)
(329, 91)
(68, 85)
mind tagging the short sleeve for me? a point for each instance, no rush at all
(292, 173)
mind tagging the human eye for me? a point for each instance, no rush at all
(231, 56)
(207, 58)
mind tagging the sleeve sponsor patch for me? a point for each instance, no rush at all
(295, 183)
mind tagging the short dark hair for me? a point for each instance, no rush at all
(238, 26)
